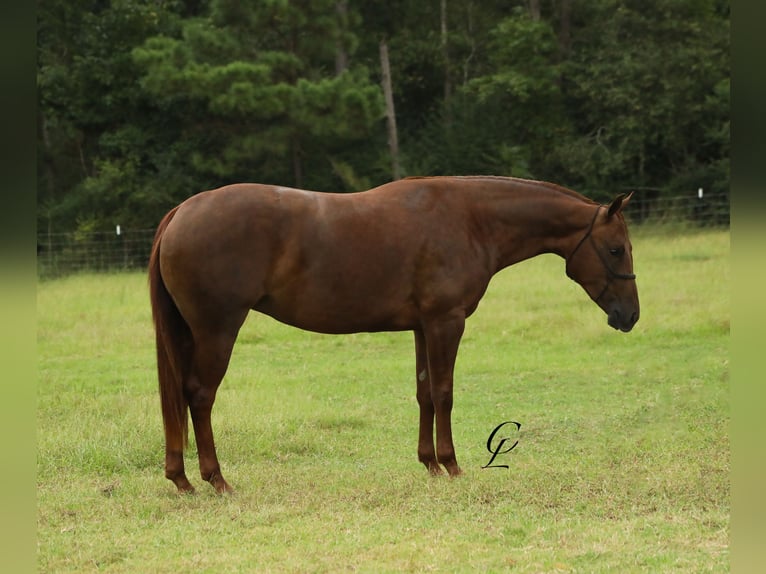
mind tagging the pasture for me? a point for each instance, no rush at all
(622, 462)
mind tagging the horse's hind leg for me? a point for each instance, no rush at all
(174, 463)
(211, 358)
(426, 450)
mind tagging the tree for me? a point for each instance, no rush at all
(641, 84)
(144, 102)
(502, 121)
(226, 92)
(87, 100)
(256, 79)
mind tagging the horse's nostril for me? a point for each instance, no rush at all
(634, 317)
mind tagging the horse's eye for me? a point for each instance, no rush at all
(617, 251)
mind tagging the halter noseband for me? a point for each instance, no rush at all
(610, 272)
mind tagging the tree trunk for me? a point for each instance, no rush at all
(445, 52)
(50, 170)
(534, 9)
(469, 57)
(393, 142)
(565, 27)
(341, 54)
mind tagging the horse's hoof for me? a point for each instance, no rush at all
(183, 485)
(225, 489)
(454, 471)
(220, 485)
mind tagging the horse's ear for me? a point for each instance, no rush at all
(618, 203)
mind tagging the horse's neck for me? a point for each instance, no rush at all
(527, 223)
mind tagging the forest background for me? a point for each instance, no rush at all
(143, 103)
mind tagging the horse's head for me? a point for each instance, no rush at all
(602, 263)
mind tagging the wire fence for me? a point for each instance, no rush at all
(703, 209)
(60, 254)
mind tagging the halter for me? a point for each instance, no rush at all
(610, 272)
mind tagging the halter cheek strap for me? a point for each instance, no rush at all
(612, 274)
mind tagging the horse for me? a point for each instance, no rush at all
(416, 254)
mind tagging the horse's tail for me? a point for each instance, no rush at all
(174, 347)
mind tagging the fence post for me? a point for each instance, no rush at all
(124, 248)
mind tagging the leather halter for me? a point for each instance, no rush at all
(612, 274)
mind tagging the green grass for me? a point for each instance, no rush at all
(622, 463)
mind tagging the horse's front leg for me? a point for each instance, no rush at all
(426, 450)
(442, 341)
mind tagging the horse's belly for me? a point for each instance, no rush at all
(340, 314)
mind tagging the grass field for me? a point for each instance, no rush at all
(622, 463)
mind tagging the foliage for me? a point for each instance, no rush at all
(145, 102)
(648, 82)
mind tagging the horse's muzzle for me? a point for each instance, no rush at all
(622, 320)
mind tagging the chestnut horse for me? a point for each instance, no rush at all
(416, 254)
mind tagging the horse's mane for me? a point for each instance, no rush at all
(531, 182)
